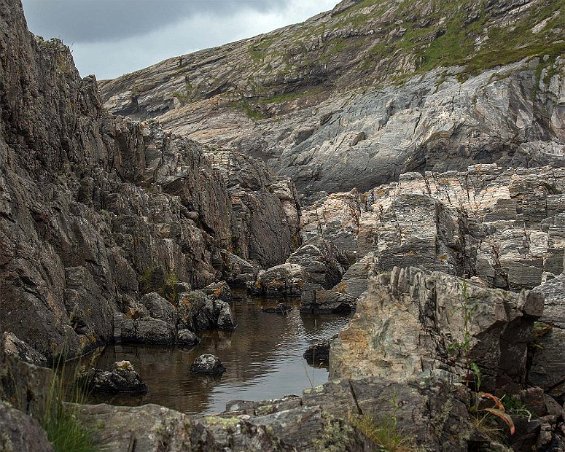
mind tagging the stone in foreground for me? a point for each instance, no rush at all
(20, 432)
(207, 365)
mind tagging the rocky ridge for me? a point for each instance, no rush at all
(359, 95)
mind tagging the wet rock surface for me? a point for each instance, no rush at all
(318, 353)
(207, 365)
(187, 338)
(121, 379)
(281, 309)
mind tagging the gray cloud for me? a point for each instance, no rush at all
(80, 21)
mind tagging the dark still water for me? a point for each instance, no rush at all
(263, 358)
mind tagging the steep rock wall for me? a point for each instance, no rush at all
(90, 204)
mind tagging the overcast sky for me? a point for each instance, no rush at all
(112, 37)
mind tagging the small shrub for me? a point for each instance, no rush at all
(170, 290)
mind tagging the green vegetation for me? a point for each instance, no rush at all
(65, 431)
(251, 111)
(60, 420)
(463, 347)
(156, 280)
(454, 33)
(336, 435)
(185, 96)
(258, 51)
(383, 432)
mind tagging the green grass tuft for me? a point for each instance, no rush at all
(64, 429)
(65, 432)
(384, 433)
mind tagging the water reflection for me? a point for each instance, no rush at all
(263, 358)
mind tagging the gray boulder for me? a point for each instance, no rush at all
(121, 379)
(219, 291)
(144, 331)
(225, 318)
(285, 280)
(20, 432)
(159, 308)
(321, 301)
(187, 338)
(322, 262)
(239, 271)
(200, 312)
(318, 353)
(207, 364)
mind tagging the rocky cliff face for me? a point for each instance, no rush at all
(92, 206)
(373, 89)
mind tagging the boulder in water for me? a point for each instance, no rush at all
(208, 365)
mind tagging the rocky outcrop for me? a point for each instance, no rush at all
(416, 324)
(335, 218)
(200, 312)
(266, 211)
(504, 227)
(19, 350)
(548, 362)
(321, 301)
(311, 422)
(96, 211)
(359, 95)
(319, 353)
(316, 264)
(143, 331)
(286, 280)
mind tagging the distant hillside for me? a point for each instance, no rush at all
(304, 95)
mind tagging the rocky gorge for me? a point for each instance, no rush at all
(396, 159)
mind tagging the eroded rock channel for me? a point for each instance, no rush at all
(358, 190)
